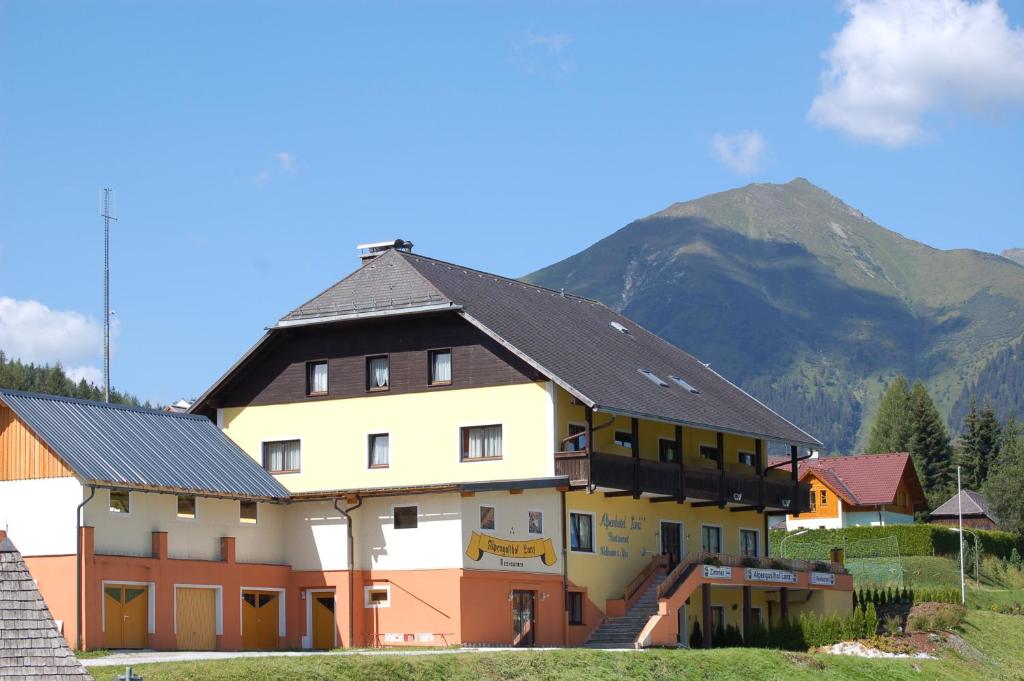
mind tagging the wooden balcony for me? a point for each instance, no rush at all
(669, 480)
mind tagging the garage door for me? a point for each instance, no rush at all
(323, 620)
(125, 616)
(197, 619)
(260, 619)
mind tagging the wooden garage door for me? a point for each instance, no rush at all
(126, 616)
(197, 619)
(260, 619)
(323, 620)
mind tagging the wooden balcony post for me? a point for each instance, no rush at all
(759, 463)
(746, 614)
(682, 472)
(796, 484)
(635, 423)
(721, 470)
(705, 604)
(589, 411)
(784, 602)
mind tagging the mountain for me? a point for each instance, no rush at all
(1015, 254)
(804, 301)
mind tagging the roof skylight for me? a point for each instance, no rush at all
(650, 375)
(684, 385)
(620, 328)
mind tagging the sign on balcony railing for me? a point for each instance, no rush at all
(717, 572)
(762, 575)
(823, 578)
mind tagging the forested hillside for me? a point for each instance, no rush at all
(15, 375)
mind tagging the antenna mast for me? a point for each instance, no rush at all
(106, 292)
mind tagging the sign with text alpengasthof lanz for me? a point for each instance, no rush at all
(717, 572)
(759, 575)
(823, 578)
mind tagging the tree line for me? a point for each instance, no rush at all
(53, 380)
(990, 453)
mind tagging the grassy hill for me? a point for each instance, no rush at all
(804, 301)
(1015, 254)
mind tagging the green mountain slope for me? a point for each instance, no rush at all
(803, 300)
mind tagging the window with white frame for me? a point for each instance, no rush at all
(377, 596)
(379, 446)
(378, 373)
(581, 532)
(187, 507)
(440, 367)
(481, 442)
(120, 501)
(536, 522)
(711, 539)
(282, 456)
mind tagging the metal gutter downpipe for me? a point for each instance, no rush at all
(78, 567)
(351, 566)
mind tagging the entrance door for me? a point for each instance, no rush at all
(259, 620)
(323, 620)
(126, 618)
(196, 619)
(523, 619)
(672, 542)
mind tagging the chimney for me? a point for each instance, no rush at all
(368, 252)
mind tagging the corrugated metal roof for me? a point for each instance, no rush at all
(108, 443)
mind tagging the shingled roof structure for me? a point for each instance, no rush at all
(973, 504)
(605, 360)
(866, 479)
(110, 444)
(30, 645)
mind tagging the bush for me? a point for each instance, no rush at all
(939, 617)
(892, 625)
(749, 562)
(1015, 559)
(914, 540)
(697, 636)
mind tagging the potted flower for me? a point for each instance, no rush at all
(712, 559)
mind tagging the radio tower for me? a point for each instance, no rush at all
(106, 292)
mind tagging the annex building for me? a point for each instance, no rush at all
(423, 454)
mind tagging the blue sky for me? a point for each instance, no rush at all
(252, 145)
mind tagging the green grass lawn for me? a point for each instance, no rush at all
(998, 638)
(995, 586)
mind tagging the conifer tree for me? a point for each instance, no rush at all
(893, 427)
(929, 446)
(978, 447)
(1004, 488)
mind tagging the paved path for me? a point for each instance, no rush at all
(137, 657)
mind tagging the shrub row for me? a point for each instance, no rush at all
(942, 618)
(808, 631)
(890, 595)
(914, 540)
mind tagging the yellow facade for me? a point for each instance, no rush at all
(627, 534)
(424, 434)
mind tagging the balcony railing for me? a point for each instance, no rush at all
(612, 471)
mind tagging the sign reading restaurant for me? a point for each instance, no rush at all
(759, 575)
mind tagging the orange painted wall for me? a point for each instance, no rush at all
(592, 618)
(55, 577)
(23, 456)
(830, 509)
(421, 602)
(487, 610)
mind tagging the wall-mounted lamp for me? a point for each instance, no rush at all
(785, 503)
(737, 496)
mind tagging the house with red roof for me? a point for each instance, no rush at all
(867, 489)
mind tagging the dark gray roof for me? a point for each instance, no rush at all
(972, 503)
(30, 645)
(118, 445)
(568, 338)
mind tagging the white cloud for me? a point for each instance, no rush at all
(895, 61)
(741, 152)
(286, 162)
(541, 53)
(33, 332)
(91, 374)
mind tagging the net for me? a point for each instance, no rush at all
(872, 562)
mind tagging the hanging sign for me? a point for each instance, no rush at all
(479, 544)
(717, 572)
(759, 575)
(823, 578)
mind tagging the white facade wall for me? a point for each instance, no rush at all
(39, 515)
(511, 522)
(436, 543)
(316, 536)
(195, 539)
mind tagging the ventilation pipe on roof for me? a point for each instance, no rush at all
(368, 252)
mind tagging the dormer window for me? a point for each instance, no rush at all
(652, 377)
(684, 385)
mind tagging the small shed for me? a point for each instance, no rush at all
(30, 645)
(976, 511)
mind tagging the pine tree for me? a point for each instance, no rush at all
(929, 446)
(1004, 488)
(979, 443)
(893, 427)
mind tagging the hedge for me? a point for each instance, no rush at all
(914, 540)
(807, 631)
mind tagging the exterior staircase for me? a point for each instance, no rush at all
(622, 632)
